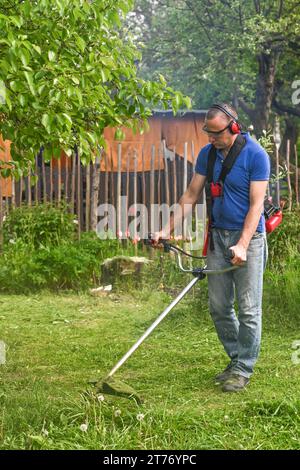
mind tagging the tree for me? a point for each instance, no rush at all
(68, 69)
(225, 49)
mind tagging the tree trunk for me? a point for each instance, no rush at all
(264, 91)
(291, 133)
(95, 193)
(265, 84)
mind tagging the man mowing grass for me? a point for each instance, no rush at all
(235, 171)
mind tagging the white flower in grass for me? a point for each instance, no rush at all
(117, 413)
(12, 241)
(45, 432)
(75, 221)
(100, 398)
(84, 427)
(140, 417)
(226, 417)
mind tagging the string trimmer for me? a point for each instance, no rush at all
(111, 386)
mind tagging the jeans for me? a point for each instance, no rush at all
(240, 336)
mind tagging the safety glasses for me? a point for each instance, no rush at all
(215, 133)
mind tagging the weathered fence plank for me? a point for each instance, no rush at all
(87, 196)
(66, 181)
(296, 177)
(73, 183)
(95, 192)
(78, 195)
(59, 180)
(51, 181)
(290, 193)
(44, 182)
(36, 184)
(277, 182)
(166, 173)
(119, 190)
(29, 186)
(13, 192)
(175, 177)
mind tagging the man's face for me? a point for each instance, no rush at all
(220, 140)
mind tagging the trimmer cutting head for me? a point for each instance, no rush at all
(117, 388)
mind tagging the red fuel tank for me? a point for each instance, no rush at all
(273, 221)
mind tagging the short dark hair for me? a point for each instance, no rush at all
(213, 112)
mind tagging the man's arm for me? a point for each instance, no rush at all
(186, 203)
(257, 195)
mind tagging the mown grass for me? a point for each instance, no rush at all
(56, 343)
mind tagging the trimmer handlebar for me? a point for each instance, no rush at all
(200, 271)
(161, 241)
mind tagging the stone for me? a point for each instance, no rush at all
(102, 290)
(121, 265)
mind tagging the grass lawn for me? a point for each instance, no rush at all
(56, 343)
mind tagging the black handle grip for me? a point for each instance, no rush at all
(163, 241)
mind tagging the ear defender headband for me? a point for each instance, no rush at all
(234, 126)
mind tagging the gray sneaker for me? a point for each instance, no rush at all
(235, 383)
(223, 376)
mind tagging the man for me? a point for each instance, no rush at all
(237, 224)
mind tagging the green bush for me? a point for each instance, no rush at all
(284, 242)
(73, 264)
(39, 226)
(282, 279)
(68, 266)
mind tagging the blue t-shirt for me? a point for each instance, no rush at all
(253, 164)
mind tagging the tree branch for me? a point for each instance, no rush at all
(246, 108)
(257, 6)
(280, 9)
(202, 23)
(240, 14)
(291, 10)
(283, 109)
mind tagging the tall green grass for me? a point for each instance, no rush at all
(56, 343)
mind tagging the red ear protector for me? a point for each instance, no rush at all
(234, 126)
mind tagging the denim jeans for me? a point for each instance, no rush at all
(240, 336)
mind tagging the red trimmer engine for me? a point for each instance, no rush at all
(273, 216)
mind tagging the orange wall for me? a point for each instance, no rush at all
(175, 131)
(178, 131)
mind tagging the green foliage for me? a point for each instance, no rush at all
(69, 266)
(57, 263)
(39, 226)
(267, 142)
(284, 242)
(69, 69)
(41, 251)
(282, 278)
(283, 293)
(241, 51)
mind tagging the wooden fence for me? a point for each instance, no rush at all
(84, 188)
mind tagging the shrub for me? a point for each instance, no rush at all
(72, 264)
(284, 242)
(39, 226)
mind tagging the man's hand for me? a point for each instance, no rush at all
(240, 254)
(156, 236)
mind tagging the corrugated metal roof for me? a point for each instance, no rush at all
(181, 113)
